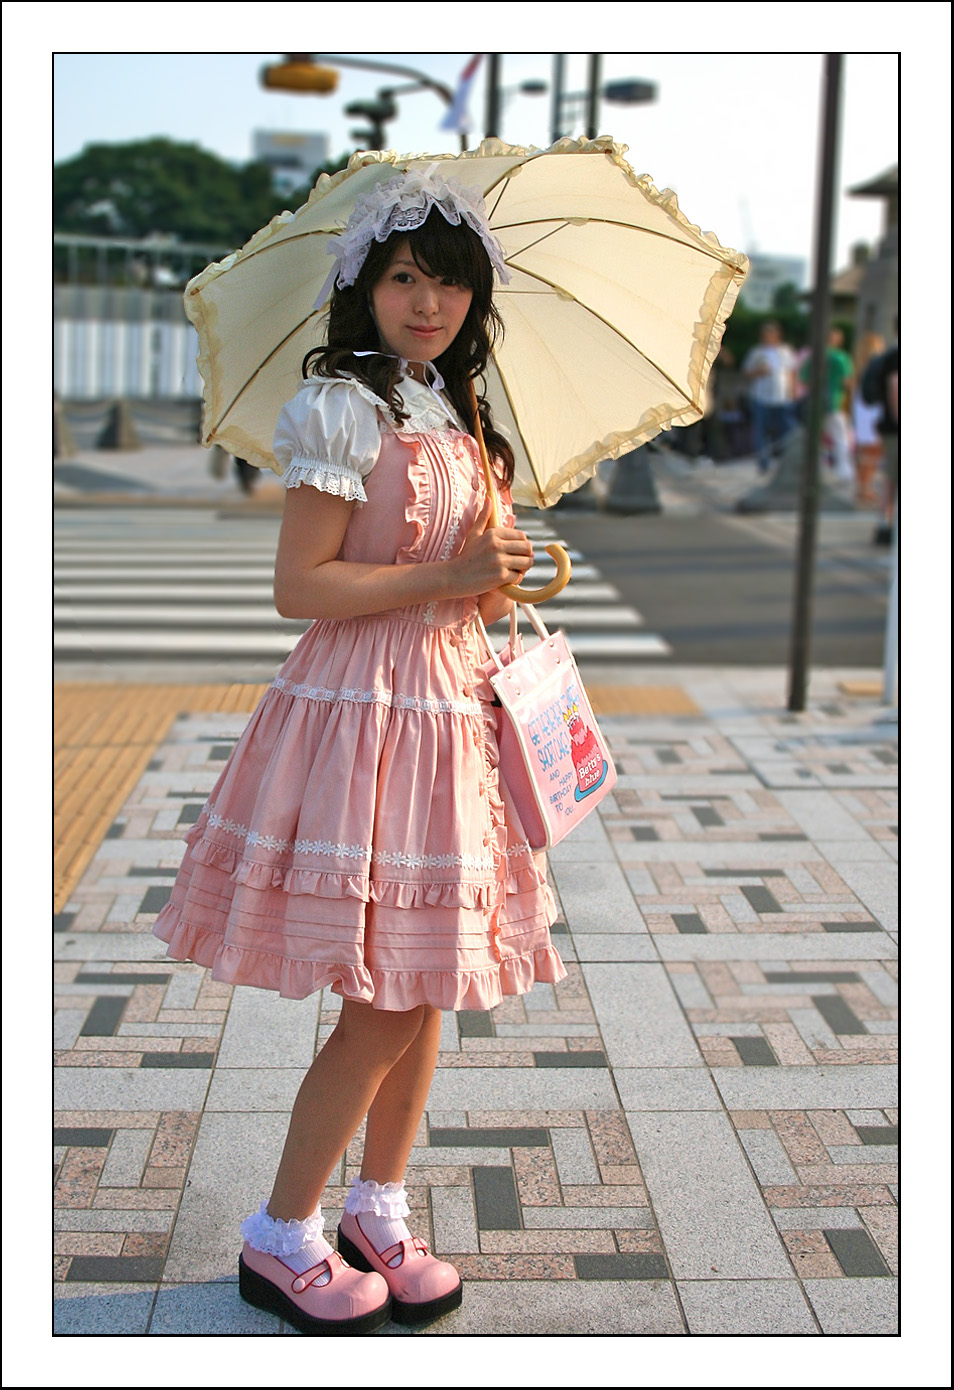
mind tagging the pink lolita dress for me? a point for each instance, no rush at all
(359, 836)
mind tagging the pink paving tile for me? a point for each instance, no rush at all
(750, 1119)
(818, 1174)
(106, 1119)
(536, 1176)
(620, 1174)
(164, 1177)
(639, 1242)
(463, 1060)
(882, 1224)
(876, 1056)
(833, 1127)
(609, 1135)
(61, 1265)
(145, 1004)
(146, 1244)
(136, 1199)
(787, 1044)
(97, 1059)
(87, 1243)
(798, 1136)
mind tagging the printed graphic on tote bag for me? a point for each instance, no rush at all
(588, 761)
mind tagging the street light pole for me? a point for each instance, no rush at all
(556, 110)
(802, 621)
(492, 121)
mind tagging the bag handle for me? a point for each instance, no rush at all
(516, 643)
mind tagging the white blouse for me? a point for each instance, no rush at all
(329, 434)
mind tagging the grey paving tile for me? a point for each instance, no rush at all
(596, 898)
(628, 946)
(754, 1052)
(881, 984)
(574, 1157)
(540, 998)
(761, 900)
(768, 1157)
(455, 1221)
(865, 1153)
(82, 1138)
(708, 1206)
(183, 989)
(452, 1158)
(691, 991)
(118, 1269)
(100, 1219)
(229, 1177)
(570, 851)
(523, 1088)
(806, 1088)
(635, 1266)
(839, 1016)
(845, 854)
(476, 1023)
(178, 1061)
(462, 1138)
(264, 1030)
(570, 1059)
(103, 1018)
(746, 1307)
(495, 1192)
(689, 922)
(128, 1088)
(213, 1309)
(776, 946)
(857, 1254)
(812, 1028)
(639, 1016)
(102, 1310)
(91, 945)
(666, 1088)
(587, 1218)
(851, 1307)
(875, 885)
(66, 1027)
(877, 1134)
(561, 1308)
(127, 1158)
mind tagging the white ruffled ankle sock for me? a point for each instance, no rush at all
(382, 1208)
(298, 1244)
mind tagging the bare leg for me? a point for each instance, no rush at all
(336, 1094)
(399, 1104)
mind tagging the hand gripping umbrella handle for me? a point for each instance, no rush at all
(556, 552)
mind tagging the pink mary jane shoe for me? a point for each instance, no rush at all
(348, 1304)
(422, 1287)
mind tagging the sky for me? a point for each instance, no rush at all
(735, 135)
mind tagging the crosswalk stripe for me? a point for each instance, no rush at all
(152, 587)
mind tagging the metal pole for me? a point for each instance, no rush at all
(593, 96)
(889, 693)
(492, 122)
(824, 227)
(556, 110)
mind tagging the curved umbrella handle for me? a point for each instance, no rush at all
(556, 552)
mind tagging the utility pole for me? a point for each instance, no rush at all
(804, 579)
(556, 109)
(593, 96)
(492, 121)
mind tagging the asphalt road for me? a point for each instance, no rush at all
(721, 589)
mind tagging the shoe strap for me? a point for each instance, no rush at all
(310, 1275)
(416, 1245)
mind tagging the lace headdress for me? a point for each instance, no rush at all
(400, 205)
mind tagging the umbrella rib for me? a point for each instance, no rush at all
(262, 365)
(612, 328)
(516, 419)
(613, 222)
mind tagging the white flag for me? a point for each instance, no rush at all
(457, 117)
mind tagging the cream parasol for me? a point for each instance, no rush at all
(613, 314)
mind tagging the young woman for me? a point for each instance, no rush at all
(359, 837)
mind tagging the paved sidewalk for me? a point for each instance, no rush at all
(696, 1132)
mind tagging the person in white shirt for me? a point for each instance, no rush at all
(770, 370)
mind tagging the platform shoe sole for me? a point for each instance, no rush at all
(262, 1293)
(406, 1313)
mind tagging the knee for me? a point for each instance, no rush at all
(381, 1036)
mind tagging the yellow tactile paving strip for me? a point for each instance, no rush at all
(104, 735)
(640, 699)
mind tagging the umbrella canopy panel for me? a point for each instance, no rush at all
(612, 317)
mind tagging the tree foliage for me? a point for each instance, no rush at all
(165, 186)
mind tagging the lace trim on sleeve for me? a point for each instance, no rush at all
(326, 477)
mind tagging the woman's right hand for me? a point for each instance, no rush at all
(492, 556)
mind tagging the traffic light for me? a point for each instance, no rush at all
(376, 113)
(299, 74)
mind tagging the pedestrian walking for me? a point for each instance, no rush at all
(864, 420)
(769, 369)
(839, 376)
(359, 837)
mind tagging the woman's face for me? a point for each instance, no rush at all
(418, 315)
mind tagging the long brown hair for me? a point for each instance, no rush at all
(439, 248)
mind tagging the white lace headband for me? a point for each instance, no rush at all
(400, 205)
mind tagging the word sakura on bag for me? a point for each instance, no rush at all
(553, 759)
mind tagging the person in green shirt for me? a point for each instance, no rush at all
(838, 382)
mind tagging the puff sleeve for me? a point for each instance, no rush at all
(328, 436)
